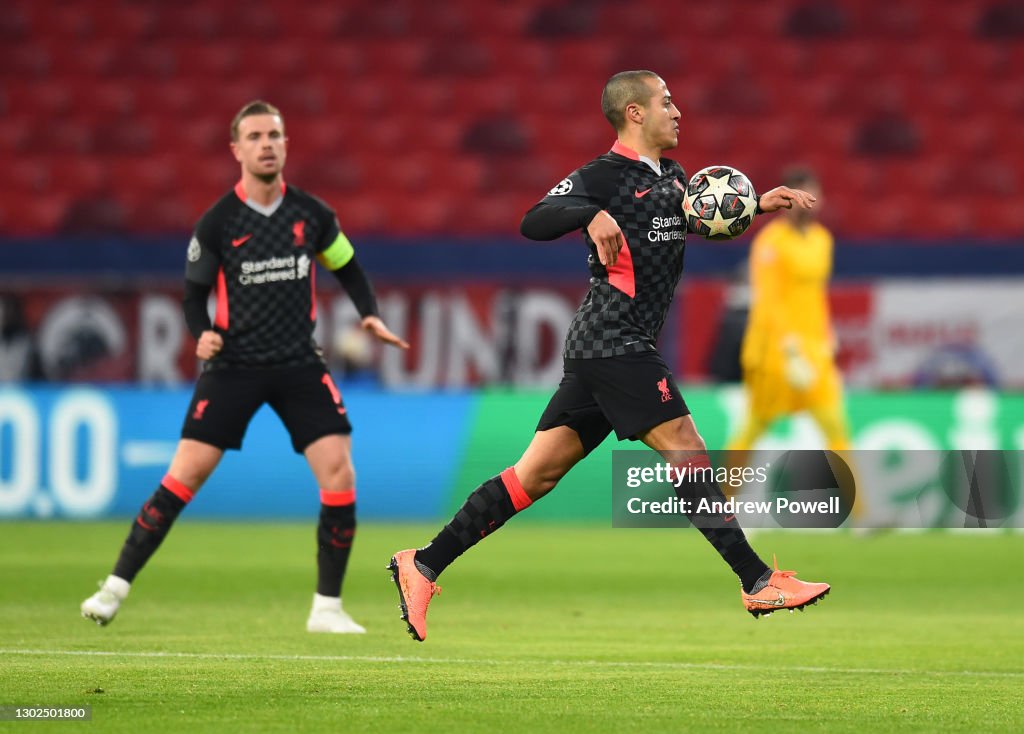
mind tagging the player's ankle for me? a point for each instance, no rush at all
(117, 586)
(428, 573)
(760, 583)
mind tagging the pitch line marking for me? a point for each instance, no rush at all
(467, 661)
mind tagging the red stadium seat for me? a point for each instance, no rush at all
(524, 59)
(27, 60)
(197, 58)
(26, 174)
(28, 214)
(362, 212)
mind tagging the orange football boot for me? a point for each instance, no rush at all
(783, 591)
(414, 592)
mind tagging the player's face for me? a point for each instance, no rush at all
(261, 147)
(661, 119)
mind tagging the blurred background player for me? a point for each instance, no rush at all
(788, 355)
(257, 246)
(789, 348)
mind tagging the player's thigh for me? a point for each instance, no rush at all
(573, 407)
(194, 462)
(309, 404)
(635, 392)
(548, 458)
(223, 403)
(330, 460)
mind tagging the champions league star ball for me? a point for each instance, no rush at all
(720, 203)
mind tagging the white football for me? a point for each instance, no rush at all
(720, 203)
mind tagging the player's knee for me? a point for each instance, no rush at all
(538, 482)
(341, 475)
(689, 440)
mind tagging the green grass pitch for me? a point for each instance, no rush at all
(541, 628)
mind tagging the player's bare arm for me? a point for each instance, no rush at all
(607, 236)
(783, 197)
(376, 326)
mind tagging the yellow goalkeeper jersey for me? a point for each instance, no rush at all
(789, 274)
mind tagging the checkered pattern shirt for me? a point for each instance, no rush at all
(626, 306)
(262, 266)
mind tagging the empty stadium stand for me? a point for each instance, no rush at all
(454, 117)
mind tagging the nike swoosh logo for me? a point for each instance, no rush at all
(729, 518)
(241, 240)
(641, 194)
(768, 602)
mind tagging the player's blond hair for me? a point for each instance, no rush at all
(256, 107)
(622, 90)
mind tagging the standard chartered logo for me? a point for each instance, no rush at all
(274, 269)
(666, 229)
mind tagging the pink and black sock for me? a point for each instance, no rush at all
(334, 536)
(486, 509)
(151, 526)
(723, 532)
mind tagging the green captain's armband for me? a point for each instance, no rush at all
(337, 254)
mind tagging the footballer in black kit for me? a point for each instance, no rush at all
(257, 248)
(628, 203)
(262, 265)
(628, 301)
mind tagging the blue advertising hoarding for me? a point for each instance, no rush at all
(82, 452)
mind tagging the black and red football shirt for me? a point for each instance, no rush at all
(260, 260)
(626, 306)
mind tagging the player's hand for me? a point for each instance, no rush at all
(210, 342)
(375, 326)
(607, 235)
(783, 197)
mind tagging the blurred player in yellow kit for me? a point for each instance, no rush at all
(788, 354)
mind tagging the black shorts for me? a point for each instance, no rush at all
(630, 394)
(304, 398)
